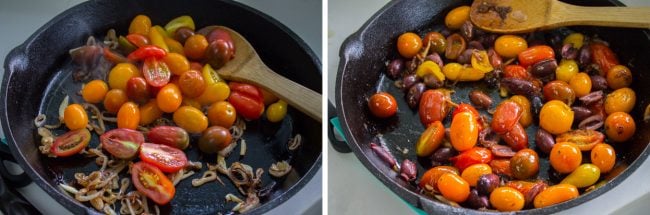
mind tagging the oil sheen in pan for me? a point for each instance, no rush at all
(266, 144)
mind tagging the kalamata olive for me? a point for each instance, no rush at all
(487, 183)
(474, 44)
(182, 34)
(218, 53)
(435, 57)
(410, 66)
(544, 140)
(480, 99)
(533, 191)
(592, 123)
(495, 59)
(537, 105)
(445, 32)
(455, 46)
(443, 154)
(544, 68)
(592, 98)
(519, 86)
(569, 52)
(559, 90)
(384, 155)
(467, 30)
(476, 201)
(584, 56)
(492, 78)
(580, 113)
(598, 82)
(395, 68)
(414, 93)
(431, 81)
(409, 80)
(502, 151)
(487, 137)
(408, 170)
(488, 39)
(465, 57)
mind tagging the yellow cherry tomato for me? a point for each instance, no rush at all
(581, 84)
(619, 76)
(556, 117)
(149, 112)
(276, 111)
(509, 46)
(177, 63)
(174, 46)
(604, 157)
(456, 17)
(619, 127)
(583, 176)
(140, 25)
(213, 93)
(114, 99)
(507, 199)
(429, 67)
(409, 44)
(190, 119)
(128, 116)
(457, 72)
(169, 98)
(120, 74)
(575, 39)
(210, 76)
(566, 70)
(555, 194)
(481, 61)
(75, 117)
(94, 91)
(222, 113)
(621, 100)
(157, 38)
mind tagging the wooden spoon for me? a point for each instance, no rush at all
(247, 67)
(519, 16)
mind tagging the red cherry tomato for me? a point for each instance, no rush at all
(156, 72)
(148, 51)
(505, 117)
(122, 143)
(166, 158)
(516, 138)
(150, 181)
(472, 156)
(535, 54)
(382, 105)
(247, 100)
(515, 71)
(169, 135)
(137, 40)
(138, 90)
(604, 57)
(464, 107)
(433, 106)
(70, 143)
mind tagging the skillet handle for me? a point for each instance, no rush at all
(338, 145)
(15, 181)
(11, 203)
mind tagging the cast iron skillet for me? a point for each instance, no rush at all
(363, 57)
(37, 77)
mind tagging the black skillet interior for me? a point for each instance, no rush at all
(37, 78)
(363, 57)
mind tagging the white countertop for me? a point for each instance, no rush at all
(353, 189)
(20, 19)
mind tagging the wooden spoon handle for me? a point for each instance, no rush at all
(628, 17)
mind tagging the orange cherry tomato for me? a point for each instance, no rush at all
(509, 46)
(192, 84)
(604, 157)
(150, 181)
(195, 47)
(515, 71)
(222, 114)
(619, 76)
(433, 106)
(507, 199)
(177, 63)
(453, 187)
(140, 25)
(619, 127)
(535, 54)
(169, 98)
(190, 119)
(382, 105)
(555, 194)
(149, 112)
(75, 117)
(583, 138)
(505, 116)
(128, 116)
(456, 17)
(565, 157)
(464, 131)
(429, 181)
(114, 100)
(94, 91)
(473, 172)
(603, 56)
(409, 44)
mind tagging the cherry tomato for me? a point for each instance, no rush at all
(575, 39)
(182, 34)
(525, 164)
(169, 98)
(559, 90)
(156, 72)
(603, 57)
(174, 46)
(464, 131)
(583, 176)
(437, 40)
(210, 75)
(94, 91)
(191, 119)
(149, 112)
(584, 139)
(507, 199)
(453, 187)
(157, 36)
(529, 189)
(195, 47)
(455, 46)
(170, 136)
(472, 156)
(219, 52)
(138, 90)
(138, 40)
(75, 117)
(621, 100)
(515, 71)
(619, 127)
(120, 74)
(148, 51)
(276, 111)
(214, 139)
(516, 138)
(122, 143)
(456, 17)
(505, 116)
(556, 117)
(429, 181)
(215, 92)
(167, 158)
(565, 157)
(179, 22)
(382, 105)
(604, 157)
(222, 113)
(247, 100)
(128, 116)
(501, 166)
(430, 139)
(150, 181)
(221, 34)
(433, 106)
(581, 84)
(509, 46)
(481, 61)
(177, 63)
(566, 70)
(473, 172)
(526, 114)
(409, 44)
(464, 107)
(192, 84)
(70, 143)
(114, 99)
(556, 194)
(140, 25)
(535, 54)
(619, 76)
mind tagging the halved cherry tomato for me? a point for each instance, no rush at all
(516, 138)
(150, 181)
(156, 72)
(430, 139)
(464, 131)
(604, 57)
(169, 135)
(167, 158)
(138, 40)
(70, 143)
(472, 156)
(433, 106)
(583, 138)
(535, 54)
(148, 51)
(501, 166)
(247, 100)
(505, 116)
(122, 143)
